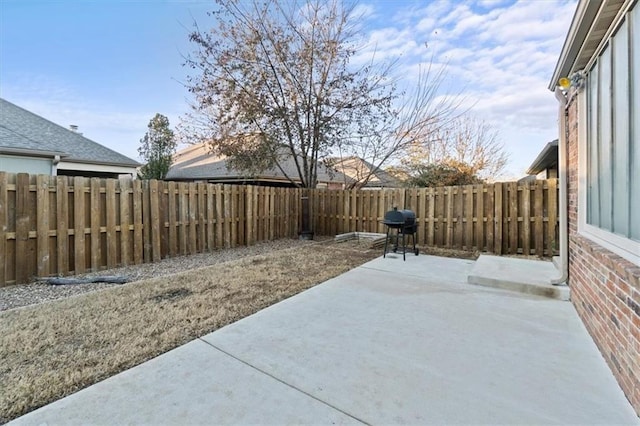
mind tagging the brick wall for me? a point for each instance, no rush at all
(605, 288)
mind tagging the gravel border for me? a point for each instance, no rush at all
(17, 296)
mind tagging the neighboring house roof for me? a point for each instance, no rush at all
(358, 169)
(26, 133)
(197, 162)
(547, 159)
(589, 26)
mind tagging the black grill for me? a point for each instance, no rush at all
(404, 223)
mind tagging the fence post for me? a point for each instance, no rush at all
(125, 221)
(138, 224)
(202, 231)
(112, 249)
(154, 213)
(193, 236)
(497, 208)
(42, 225)
(249, 222)
(211, 217)
(526, 218)
(3, 227)
(512, 187)
(479, 217)
(449, 212)
(79, 206)
(227, 215)
(468, 213)
(306, 231)
(62, 225)
(96, 243)
(539, 222)
(22, 228)
(552, 200)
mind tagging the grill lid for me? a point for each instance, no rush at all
(399, 217)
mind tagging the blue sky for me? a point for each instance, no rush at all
(109, 66)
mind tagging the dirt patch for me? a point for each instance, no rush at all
(56, 348)
(444, 252)
(173, 294)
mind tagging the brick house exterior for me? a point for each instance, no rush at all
(605, 288)
(601, 142)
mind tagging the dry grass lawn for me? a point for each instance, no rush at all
(51, 350)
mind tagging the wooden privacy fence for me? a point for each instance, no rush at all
(501, 218)
(62, 225)
(71, 225)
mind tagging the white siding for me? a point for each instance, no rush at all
(18, 164)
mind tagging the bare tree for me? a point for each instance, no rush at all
(467, 144)
(420, 111)
(273, 81)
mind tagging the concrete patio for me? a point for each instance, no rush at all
(389, 342)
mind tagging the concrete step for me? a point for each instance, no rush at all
(521, 275)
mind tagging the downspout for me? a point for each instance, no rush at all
(54, 165)
(562, 173)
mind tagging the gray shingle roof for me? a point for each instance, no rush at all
(359, 169)
(196, 162)
(24, 130)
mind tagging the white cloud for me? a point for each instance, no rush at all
(501, 54)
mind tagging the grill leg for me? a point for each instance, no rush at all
(413, 237)
(404, 246)
(386, 242)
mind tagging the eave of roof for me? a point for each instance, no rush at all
(548, 157)
(590, 25)
(31, 152)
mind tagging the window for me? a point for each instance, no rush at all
(611, 156)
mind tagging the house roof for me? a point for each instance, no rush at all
(197, 162)
(548, 158)
(591, 25)
(358, 169)
(26, 133)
